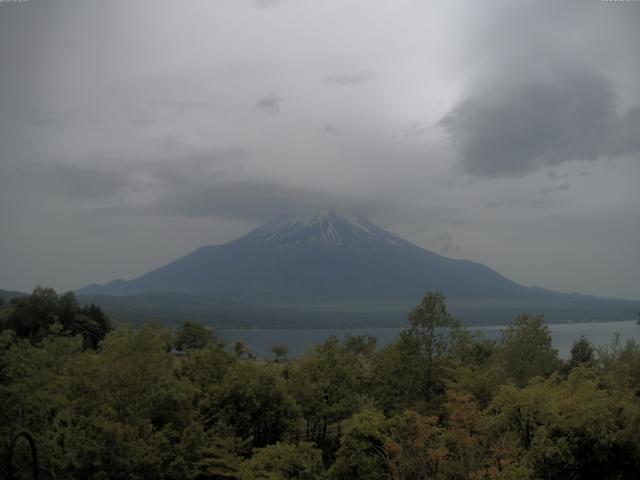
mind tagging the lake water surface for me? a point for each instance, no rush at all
(300, 340)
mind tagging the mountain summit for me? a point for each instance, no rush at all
(341, 229)
(317, 258)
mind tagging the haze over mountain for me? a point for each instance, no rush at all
(342, 262)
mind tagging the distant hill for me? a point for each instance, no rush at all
(171, 308)
(7, 295)
(331, 265)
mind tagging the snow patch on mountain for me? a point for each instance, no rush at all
(330, 227)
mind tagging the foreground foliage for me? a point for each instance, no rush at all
(438, 403)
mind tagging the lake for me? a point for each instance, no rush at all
(300, 340)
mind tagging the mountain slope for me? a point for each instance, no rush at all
(7, 295)
(318, 258)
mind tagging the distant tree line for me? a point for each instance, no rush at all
(45, 313)
(437, 403)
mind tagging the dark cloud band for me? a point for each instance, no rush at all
(519, 126)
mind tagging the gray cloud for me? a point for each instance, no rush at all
(67, 181)
(415, 129)
(522, 125)
(185, 167)
(626, 136)
(445, 244)
(100, 182)
(269, 104)
(85, 181)
(350, 79)
(253, 201)
(265, 3)
(555, 175)
(563, 187)
(454, 222)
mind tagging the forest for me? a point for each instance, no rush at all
(438, 403)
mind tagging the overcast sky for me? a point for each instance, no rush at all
(505, 132)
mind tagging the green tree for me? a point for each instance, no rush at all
(475, 368)
(361, 454)
(283, 461)
(428, 338)
(133, 402)
(573, 428)
(33, 316)
(206, 367)
(280, 351)
(413, 371)
(241, 349)
(120, 412)
(36, 394)
(327, 385)
(192, 336)
(582, 353)
(622, 363)
(5, 312)
(253, 402)
(204, 454)
(526, 349)
(67, 309)
(93, 330)
(361, 344)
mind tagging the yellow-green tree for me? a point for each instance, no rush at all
(415, 447)
(362, 454)
(284, 461)
(578, 428)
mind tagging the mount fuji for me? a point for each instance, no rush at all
(336, 262)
